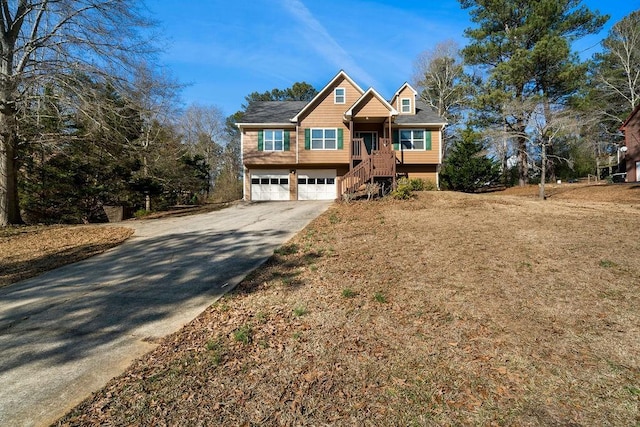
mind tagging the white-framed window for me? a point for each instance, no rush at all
(405, 105)
(412, 139)
(273, 140)
(324, 139)
(339, 95)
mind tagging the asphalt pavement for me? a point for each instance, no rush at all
(65, 333)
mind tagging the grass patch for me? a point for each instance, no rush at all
(348, 293)
(216, 350)
(300, 311)
(380, 297)
(287, 249)
(605, 263)
(243, 334)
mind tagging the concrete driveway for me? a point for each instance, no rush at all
(65, 333)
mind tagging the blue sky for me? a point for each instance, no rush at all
(224, 50)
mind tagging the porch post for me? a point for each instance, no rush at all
(351, 143)
(393, 182)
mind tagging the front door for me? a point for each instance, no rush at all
(370, 140)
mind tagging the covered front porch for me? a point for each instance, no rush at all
(371, 147)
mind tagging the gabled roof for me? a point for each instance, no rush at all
(364, 96)
(424, 115)
(327, 88)
(406, 84)
(633, 113)
(271, 112)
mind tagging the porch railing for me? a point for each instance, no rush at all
(357, 147)
(380, 163)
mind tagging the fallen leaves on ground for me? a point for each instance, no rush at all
(448, 309)
(26, 251)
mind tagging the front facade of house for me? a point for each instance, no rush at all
(336, 143)
(631, 129)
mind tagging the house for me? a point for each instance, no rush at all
(342, 139)
(631, 129)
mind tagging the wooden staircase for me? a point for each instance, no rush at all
(380, 163)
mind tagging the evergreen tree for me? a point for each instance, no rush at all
(467, 168)
(525, 47)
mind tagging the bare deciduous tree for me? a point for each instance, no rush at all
(619, 64)
(204, 133)
(67, 40)
(441, 81)
(438, 73)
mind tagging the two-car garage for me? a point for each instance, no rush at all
(312, 184)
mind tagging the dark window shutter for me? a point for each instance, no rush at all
(307, 139)
(396, 139)
(287, 141)
(340, 138)
(427, 140)
(260, 140)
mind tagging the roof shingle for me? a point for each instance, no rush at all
(424, 115)
(272, 111)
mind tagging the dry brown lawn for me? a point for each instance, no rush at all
(28, 251)
(449, 309)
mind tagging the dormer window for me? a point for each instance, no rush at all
(405, 105)
(339, 95)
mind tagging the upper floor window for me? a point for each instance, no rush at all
(412, 139)
(405, 105)
(273, 140)
(324, 139)
(339, 96)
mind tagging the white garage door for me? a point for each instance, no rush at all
(270, 185)
(317, 184)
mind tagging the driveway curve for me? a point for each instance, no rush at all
(65, 333)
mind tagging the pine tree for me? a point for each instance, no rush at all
(467, 168)
(525, 47)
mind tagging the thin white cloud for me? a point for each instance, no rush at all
(322, 42)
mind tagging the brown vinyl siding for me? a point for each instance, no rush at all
(405, 93)
(324, 112)
(293, 185)
(247, 185)
(252, 156)
(327, 114)
(370, 107)
(422, 156)
(425, 172)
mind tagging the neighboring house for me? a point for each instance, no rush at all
(631, 129)
(342, 139)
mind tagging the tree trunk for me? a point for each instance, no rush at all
(9, 202)
(543, 170)
(547, 147)
(523, 164)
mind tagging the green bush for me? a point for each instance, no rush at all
(419, 184)
(416, 184)
(404, 190)
(429, 185)
(140, 213)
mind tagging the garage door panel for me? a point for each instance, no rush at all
(270, 185)
(317, 184)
